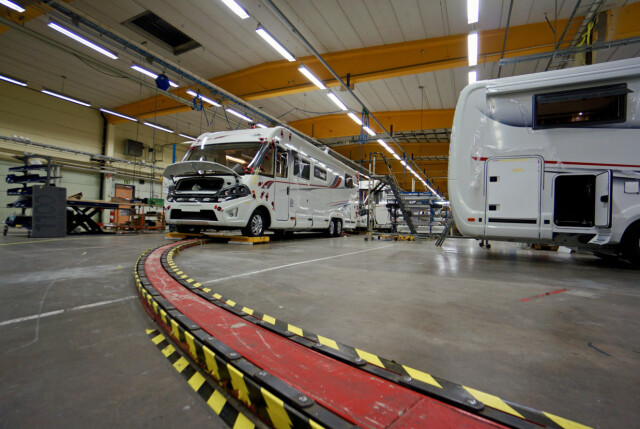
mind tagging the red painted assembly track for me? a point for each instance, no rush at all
(357, 396)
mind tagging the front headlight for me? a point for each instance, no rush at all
(234, 192)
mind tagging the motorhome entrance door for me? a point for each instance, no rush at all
(513, 197)
(282, 185)
(603, 199)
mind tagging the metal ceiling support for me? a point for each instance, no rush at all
(340, 125)
(572, 51)
(506, 31)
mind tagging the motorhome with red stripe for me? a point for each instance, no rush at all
(551, 157)
(259, 179)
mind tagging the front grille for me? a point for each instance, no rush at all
(177, 214)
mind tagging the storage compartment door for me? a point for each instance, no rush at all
(603, 200)
(513, 197)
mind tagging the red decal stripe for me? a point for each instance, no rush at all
(544, 294)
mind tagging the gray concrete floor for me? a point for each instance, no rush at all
(455, 312)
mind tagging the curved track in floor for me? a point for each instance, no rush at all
(291, 377)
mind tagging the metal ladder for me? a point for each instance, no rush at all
(391, 180)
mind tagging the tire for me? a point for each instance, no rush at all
(188, 229)
(255, 226)
(337, 230)
(631, 245)
(332, 228)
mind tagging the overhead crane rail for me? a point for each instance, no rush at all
(293, 378)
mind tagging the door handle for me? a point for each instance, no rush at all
(604, 199)
(287, 190)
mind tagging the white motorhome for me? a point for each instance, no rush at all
(552, 158)
(259, 179)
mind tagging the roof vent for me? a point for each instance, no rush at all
(150, 24)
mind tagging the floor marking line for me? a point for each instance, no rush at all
(41, 241)
(55, 312)
(294, 264)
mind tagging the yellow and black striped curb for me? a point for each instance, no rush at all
(487, 405)
(271, 399)
(233, 417)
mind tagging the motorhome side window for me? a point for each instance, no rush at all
(581, 107)
(348, 181)
(301, 167)
(320, 173)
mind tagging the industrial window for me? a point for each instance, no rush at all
(580, 107)
(320, 173)
(301, 167)
(150, 24)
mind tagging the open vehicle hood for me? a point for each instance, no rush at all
(196, 168)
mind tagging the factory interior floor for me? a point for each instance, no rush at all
(553, 331)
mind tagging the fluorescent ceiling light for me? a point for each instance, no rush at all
(355, 118)
(472, 43)
(369, 131)
(386, 146)
(238, 160)
(261, 126)
(193, 93)
(403, 162)
(186, 136)
(239, 115)
(395, 155)
(311, 77)
(236, 8)
(149, 124)
(337, 101)
(12, 5)
(119, 114)
(151, 74)
(473, 76)
(64, 97)
(274, 43)
(14, 81)
(473, 9)
(82, 40)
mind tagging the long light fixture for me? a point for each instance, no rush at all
(239, 115)
(473, 10)
(395, 155)
(236, 8)
(12, 5)
(369, 131)
(186, 136)
(305, 71)
(473, 76)
(82, 40)
(472, 43)
(194, 94)
(151, 74)
(355, 118)
(64, 97)
(274, 43)
(336, 101)
(11, 80)
(386, 146)
(118, 114)
(149, 124)
(261, 126)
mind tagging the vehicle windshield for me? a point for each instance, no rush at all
(235, 156)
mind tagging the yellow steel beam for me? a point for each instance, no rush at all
(340, 125)
(29, 14)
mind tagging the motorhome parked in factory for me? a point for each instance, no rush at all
(551, 157)
(259, 179)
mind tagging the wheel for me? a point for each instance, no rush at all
(255, 226)
(481, 244)
(488, 246)
(6, 228)
(631, 245)
(188, 229)
(337, 231)
(332, 228)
